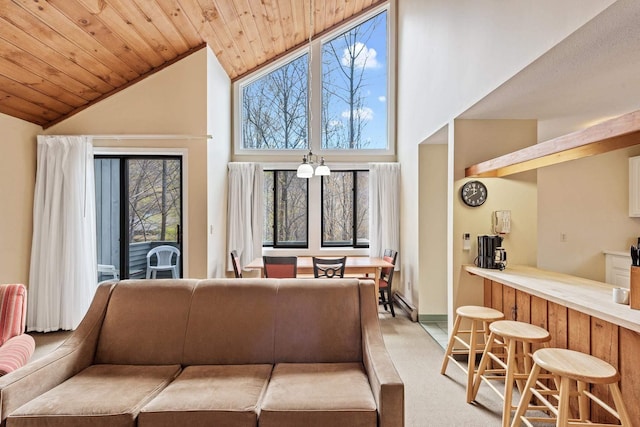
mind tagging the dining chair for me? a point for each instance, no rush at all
(329, 267)
(235, 260)
(164, 255)
(280, 267)
(386, 277)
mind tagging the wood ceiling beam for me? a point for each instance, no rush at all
(613, 134)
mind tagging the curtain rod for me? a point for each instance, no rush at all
(149, 136)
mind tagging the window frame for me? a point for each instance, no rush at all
(354, 242)
(314, 216)
(315, 55)
(275, 244)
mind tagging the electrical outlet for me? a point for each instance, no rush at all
(563, 237)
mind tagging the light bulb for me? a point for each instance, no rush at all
(322, 169)
(305, 170)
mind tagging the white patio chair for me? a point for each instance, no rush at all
(164, 254)
(108, 269)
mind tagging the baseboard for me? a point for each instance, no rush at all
(432, 318)
(403, 303)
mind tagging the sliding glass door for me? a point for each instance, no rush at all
(138, 207)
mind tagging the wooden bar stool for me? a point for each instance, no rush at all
(571, 366)
(510, 342)
(480, 318)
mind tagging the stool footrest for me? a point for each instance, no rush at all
(602, 404)
(458, 364)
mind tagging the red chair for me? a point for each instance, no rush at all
(280, 267)
(235, 260)
(16, 347)
(386, 276)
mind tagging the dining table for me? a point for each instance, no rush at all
(355, 266)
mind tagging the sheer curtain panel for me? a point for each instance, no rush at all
(245, 210)
(384, 208)
(63, 254)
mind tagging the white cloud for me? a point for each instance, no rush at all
(365, 57)
(364, 113)
(382, 98)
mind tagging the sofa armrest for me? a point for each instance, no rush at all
(386, 384)
(74, 354)
(16, 352)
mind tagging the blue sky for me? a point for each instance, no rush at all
(373, 62)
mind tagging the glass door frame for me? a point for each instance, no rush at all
(132, 153)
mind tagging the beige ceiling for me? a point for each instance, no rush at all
(59, 56)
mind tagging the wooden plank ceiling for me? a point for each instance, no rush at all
(59, 56)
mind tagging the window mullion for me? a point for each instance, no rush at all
(315, 96)
(354, 208)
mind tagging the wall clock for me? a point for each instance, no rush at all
(473, 193)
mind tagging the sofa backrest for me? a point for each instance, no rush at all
(231, 321)
(318, 320)
(145, 322)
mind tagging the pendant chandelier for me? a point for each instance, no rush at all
(306, 170)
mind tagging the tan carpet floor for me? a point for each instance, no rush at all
(431, 399)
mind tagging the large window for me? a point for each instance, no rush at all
(345, 209)
(349, 105)
(285, 213)
(354, 87)
(274, 109)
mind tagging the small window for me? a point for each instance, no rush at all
(286, 210)
(345, 209)
(274, 108)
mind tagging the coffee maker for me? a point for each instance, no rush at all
(491, 254)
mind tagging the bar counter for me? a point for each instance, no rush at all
(583, 295)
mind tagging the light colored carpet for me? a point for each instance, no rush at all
(431, 399)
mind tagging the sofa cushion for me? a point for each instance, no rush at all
(148, 314)
(100, 395)
(231, 322)
(318, 394)
(224, 395)
(318, 321)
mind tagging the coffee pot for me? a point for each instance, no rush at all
(491, 254)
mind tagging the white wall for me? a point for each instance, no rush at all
(517, 193)
(17, 182)
(219, 153)
(172, 101)
(450, 55)
(432, 269)
(587, 200)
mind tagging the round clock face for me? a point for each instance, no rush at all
(473, 193)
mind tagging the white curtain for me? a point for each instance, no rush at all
(63, 272)
(245, 211)
(384, 208)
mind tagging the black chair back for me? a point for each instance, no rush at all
(329, 268)
(235, 260)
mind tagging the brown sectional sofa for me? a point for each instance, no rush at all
(219, 352)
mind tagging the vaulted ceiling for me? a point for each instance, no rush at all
(59, 56)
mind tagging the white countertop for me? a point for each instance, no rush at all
(587, 296)
(617, 253)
